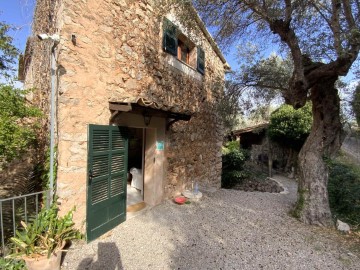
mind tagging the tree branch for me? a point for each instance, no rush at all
(335, 25)
(288, 11)
(321, 13)
(348, 14)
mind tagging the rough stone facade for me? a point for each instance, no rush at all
(117, 54)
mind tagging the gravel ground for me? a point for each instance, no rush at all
(227, 229)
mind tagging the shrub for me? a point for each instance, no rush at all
(231, 178)
(233, 167)
(344, 191)
(234, 160)
(18, 123)
(233, 145)
(290, 127)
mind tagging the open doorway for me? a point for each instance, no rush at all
(135, 184)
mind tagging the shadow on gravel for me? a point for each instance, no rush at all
(108, 258)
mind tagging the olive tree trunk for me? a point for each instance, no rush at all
(323, 142)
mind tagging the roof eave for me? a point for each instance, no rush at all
(210, 39)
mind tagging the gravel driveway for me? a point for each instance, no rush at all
(227, 229)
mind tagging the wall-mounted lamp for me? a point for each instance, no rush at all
(54, 37)
(147, 118)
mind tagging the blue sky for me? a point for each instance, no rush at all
(19, 14)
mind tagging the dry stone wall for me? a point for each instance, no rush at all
(351, 146)
(117, 55)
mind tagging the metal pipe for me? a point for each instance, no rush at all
(13, 212)
(36, 205)
(25, 209)
(52, 120)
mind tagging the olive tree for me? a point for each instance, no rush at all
(229, 106)
(323, 39)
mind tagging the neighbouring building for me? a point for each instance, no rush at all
(136, 92)
(263, 151)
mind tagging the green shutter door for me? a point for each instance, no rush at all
(107, 176)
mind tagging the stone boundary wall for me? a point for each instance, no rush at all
(351, 146)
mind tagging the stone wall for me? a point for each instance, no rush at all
(351, 146)
(38, 65)
(117, 55)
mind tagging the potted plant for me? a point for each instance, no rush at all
(40, 242)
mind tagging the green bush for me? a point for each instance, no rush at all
(234, 160)
(11, 264)
(232, 146)
(18, 122)
(233, 167)
(290, 127)
(230, 178)
(344, 192)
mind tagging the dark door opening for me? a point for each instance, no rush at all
(135, 186)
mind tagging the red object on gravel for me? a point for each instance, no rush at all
(180, 200)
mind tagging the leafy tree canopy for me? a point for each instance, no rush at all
(17, 124)
(8, 52)
(322, 37)
(229, 106)
(291, 127)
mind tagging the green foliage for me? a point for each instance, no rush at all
(290, 127)
(230, 178)
(8, 52)
(355, 103)
(231, 146)
(229, 106)
(17, 122)
(45, 234)
(233, 167)
(344, 191)
(11, 264)
(234, 160)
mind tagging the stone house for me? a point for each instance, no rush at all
(263, 151)
(136, 87)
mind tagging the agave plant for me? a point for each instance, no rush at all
(45, 235)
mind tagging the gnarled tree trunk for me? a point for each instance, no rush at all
(324, 141)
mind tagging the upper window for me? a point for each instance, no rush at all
(177, 44)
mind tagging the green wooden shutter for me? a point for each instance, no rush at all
(107, 176)
(170, 43)
(200, 60)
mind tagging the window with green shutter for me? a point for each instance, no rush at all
(200, 60)
(170, 42)
(177, 44)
